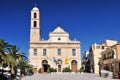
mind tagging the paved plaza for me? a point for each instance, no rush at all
(65, 76)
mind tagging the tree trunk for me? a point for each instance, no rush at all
(12, 70)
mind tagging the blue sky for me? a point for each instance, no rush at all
(88, 21)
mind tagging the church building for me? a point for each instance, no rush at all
(57, 52)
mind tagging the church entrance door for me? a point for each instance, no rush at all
(59, 68)
(44, 66)
(74, 65)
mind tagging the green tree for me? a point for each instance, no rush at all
(13, 57)
(23, 64)
(3, 49)
(9, 55)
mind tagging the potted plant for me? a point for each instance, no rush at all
(81, 70)
(40, 70)
(67, 69)
(106, 75)
(53, 70)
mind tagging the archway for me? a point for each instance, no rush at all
(74, 66)
(44, 66)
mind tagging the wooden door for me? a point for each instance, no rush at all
(74, 67)
(59, 68)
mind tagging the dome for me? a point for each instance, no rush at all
(35, 8)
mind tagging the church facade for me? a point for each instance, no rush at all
(58, 51)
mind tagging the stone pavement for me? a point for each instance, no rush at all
(65, 76)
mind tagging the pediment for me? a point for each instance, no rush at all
(59, 30)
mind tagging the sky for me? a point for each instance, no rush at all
(89, 21)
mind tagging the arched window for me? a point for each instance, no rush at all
(73, 62)
(35, 15)
(44, 62)
(35, 23)
(59, 62)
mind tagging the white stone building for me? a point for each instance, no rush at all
(95, 53)
(58, 51)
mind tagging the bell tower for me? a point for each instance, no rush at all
(35, 25)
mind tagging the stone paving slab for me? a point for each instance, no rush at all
(65, 76)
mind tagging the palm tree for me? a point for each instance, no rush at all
(22, 64)
(13, 57)
(3, 49)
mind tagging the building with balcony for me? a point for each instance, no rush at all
(111, 58)
(95, 53)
